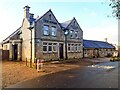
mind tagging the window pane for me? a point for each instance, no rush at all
(72, 48)
(54, 43)
(75, 47)
(44, 48)
(68, 47)
(71, 33)
(46, 29)
(49, 48)
(76, 34)
(44, 43)
(50, 43)
(53, 31)
(54, 48)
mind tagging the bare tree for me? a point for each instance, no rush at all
(115, 4)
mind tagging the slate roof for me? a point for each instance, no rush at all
(7, 39)
(66, 23)
(97, 44)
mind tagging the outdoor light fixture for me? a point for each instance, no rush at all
(66, 32)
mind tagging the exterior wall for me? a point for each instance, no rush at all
(40, 37)
(75, 55)
(74, 26)
(26, 40)
(59, 38)
(5, 54)
(47, 55)
(6, 46)
(24, 47)
(90, 53)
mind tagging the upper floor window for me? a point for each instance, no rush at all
(46, 28)
(76, 34)
(53, 31)
(71, 33)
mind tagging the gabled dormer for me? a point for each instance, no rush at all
(47, 26)
(75, 31)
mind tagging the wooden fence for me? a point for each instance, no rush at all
(5, 54)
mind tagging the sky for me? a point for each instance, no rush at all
(94, 16)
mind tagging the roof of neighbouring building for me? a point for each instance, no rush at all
(97, 44)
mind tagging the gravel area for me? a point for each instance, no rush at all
(14, 72)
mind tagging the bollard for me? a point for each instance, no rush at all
(39, 65)
(26, 61)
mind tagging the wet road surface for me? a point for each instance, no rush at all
(103, 75)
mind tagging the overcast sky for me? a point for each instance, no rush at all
(92, 16)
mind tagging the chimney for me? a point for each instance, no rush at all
(26, 11)
(31, 15)
(105, 39)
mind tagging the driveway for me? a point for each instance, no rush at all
(103, 75)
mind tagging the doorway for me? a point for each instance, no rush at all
(15, 52)
(61, 51)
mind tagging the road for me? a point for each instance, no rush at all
(102, 75)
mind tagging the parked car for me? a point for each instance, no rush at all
(115, 59)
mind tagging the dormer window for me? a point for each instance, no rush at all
(71, 33)
(76, 34)
(45, 30)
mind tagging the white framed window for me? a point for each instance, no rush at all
(75, 46)
(53, 31)
(78, 47)
(46, 30)
(54, 47)
(76, 34)
(71, 33)
(44, 47)
(49, 47)
(69, 46)
(72, 47)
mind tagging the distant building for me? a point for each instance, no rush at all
(48, 39)
(97, 49)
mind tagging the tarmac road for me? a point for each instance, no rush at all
(102, 75)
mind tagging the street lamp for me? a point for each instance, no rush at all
(30, 28)
(66, 33)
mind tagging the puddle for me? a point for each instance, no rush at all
(103, 67)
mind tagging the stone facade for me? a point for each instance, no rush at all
(46, 40)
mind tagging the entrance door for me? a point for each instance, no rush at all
(15, 51)
(61, 51)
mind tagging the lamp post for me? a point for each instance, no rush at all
(66, 33)
(30, 28)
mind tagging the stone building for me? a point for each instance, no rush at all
(44, 37)
(94, 49)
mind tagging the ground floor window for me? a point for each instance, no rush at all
(74, 47)
(49, 47)
(44, 47)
